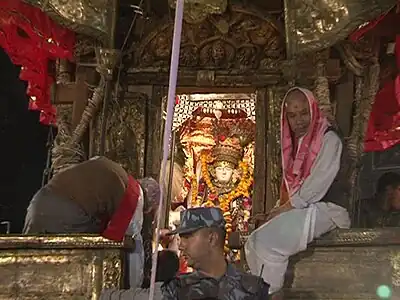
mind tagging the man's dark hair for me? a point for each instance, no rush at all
(167, 265)
(389, 179)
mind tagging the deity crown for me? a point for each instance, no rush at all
(228, 149)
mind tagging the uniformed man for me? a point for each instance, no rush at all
(202, 238)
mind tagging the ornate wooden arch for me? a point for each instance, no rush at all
(238, 39)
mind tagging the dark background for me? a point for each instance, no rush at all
(23, 147)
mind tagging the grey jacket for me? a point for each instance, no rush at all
(234, 285)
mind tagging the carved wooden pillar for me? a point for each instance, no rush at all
(361, 59)
(274, 168)
(344, 98)
(260, 159)
(154, 127)
(321, 90)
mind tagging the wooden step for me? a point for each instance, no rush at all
(346, 264)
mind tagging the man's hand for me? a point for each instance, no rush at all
(278, 210)
(165, 239)
(257, 218)
(261, 219)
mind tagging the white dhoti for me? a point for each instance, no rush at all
(273, 243)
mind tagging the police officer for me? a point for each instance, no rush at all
(202, 238)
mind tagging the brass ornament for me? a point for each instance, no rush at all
(239, 39)
(107, 60)
(313, 25)
(125, 142)
(88, 17)
(196, 11)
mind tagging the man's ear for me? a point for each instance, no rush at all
(214, 238)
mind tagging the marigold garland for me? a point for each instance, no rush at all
(224, 201)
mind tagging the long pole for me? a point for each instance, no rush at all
(173, 74)
(113, 15)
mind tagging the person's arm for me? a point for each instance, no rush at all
(131, 294)
(323, 173)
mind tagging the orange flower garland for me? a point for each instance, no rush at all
(225, 200)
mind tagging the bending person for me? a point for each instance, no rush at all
(313, 192)
(98, 196)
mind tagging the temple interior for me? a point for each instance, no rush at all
(100, 78)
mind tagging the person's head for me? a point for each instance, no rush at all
(151, 191)
(388, 190)
(167, 265)
(202, 235)
(199, 246)
(297, 111)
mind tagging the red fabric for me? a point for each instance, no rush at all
(383, 129)
(183, 266)
(397, 51)
(120, 220)
(297, 169)
(355, 36)
(32, 40)
(384, 123)
(386, 25)
(284, 195)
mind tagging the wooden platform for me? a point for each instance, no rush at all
(346, 264)
(57, 267)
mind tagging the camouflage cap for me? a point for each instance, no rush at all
(194, 219)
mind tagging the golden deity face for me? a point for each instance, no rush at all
(224, 171)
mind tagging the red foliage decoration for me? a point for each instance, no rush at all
(32, 40)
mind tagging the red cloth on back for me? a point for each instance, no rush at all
(121, 218)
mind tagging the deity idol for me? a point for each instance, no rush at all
(225, 181)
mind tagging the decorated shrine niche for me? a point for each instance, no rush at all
(214, 157)
(238, 39)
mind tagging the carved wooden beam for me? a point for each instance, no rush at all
(67, 93)
(221, 78)
(303, 70)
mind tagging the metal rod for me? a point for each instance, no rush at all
(176, 43)
(8, 226)
(104, 116)
(86, 64)
(170, 178)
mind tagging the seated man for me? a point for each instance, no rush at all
(313, 196)
(167, 268)
(97, 196)
(202, 239)
(384, 209)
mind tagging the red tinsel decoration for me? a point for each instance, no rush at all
(32, 39)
